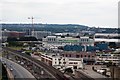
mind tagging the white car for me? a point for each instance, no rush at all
(22, 63)
(100, 71)
(18, 61)
(10, 58)
(23, 52)
(11, 69)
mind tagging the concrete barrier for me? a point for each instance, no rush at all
(9, 74)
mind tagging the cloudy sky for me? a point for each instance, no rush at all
(102, 13)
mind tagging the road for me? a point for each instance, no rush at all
(82, 76)
(18, 71)
(88, 71)
(57, 75)
(51, 70)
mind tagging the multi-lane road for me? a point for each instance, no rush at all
(18, 71)
(56, 74)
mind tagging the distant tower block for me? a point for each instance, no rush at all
(32, 30)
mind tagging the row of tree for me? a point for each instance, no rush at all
(9, 39)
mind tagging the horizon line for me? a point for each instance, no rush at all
(58, 24)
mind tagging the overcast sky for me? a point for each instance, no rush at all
(102, 13)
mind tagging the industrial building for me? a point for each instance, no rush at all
(61, 62)
(88, 57)
(112, 39)
(108, 57)
(16, 34)
(41, 34)
(68, 40)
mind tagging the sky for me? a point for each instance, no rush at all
(93, 13)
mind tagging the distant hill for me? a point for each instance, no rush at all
(45, 27)
(59, 28)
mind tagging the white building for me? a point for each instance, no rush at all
(114, 58)
(66, 34)
(60, 62)
(68, 40)
(99, 37)
(86, 41)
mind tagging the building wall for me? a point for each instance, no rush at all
(69, 40)
(87, 55)
(99, 37)
(79, 48)
(74, 63)
(41, 34)
(73, 48)
(6, 34)
(62, 62)
(115, 72)
(59, 61)
(86, 41)
(108, 58)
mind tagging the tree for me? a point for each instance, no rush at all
(78, 36)
(69, 70)
(109, 64)
(27, 39)
(112, 45)
(15, 43)
(28, 53)
(9, 39)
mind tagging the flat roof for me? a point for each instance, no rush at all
(106, 34)
(51, 36)
(106, 40)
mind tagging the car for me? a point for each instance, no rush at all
(22, 63)
(11, 69)
(100, 71)
(23, 52)
(10, 58)
(18, 61)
